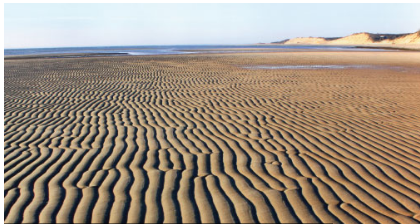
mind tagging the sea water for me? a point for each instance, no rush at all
(171, 49)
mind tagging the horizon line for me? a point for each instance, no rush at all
(131, 46)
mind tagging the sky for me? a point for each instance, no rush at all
(72, 25)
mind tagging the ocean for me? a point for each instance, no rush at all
(168, 49)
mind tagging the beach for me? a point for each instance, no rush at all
(289, 137)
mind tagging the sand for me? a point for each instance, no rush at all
(205, 138)
(408, 41)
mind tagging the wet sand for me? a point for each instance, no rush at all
(204, 138)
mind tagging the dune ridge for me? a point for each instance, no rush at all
(358, 39)
(199, 138)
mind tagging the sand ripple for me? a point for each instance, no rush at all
(197, 138)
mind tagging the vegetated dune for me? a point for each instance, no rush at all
(413, 38)
(359, 39)
(200, 138)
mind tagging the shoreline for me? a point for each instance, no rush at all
(402, 47)
(352, 48)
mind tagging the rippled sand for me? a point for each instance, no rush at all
(201, 138)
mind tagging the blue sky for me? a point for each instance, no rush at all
(60, 25)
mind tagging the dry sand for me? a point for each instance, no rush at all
(199, 138)
(404, 41)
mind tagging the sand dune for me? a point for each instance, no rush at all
(360, 39)
(202, 138)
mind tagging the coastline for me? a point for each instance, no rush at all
(218, 50)
(403, 47)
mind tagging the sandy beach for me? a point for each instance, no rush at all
(290, 137)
